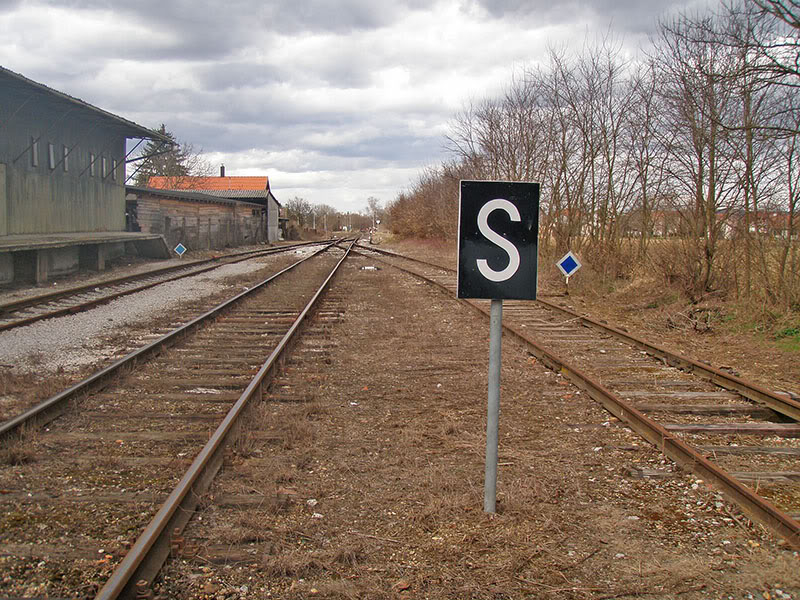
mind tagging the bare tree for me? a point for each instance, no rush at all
(744, 107)
(765, 35)
(300, 210)
(779, 43)
(695, 87)
(646, 155)
(791, 154)
(565, 213)
(429, 209)
(374, 209)
(176, 161)
(325, 216)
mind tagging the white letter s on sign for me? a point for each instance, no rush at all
(511, 249)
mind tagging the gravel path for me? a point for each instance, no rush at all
(70, 342)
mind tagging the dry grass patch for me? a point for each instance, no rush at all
(249, 527)
(15, 453)
(20, 390)
(247, 445)
(303, 564)
(341, 589)
(296, 433)
(314, 409)
(296, 565)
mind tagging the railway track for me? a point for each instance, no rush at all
(743, 438)
(79, 298)
(232, 523)
(92, 504)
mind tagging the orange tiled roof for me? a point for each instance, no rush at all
(209, 183)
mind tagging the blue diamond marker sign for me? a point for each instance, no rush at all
(568, 264)
(180, 249)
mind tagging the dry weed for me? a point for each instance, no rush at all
(15, 453)
(346, 590)
(314, 409)
(248, 527)
(296, 433)
(350, 556)
(297, 565)
(450, 428)
(246, 445)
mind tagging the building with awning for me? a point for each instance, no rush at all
(243, 188)
(62, 182)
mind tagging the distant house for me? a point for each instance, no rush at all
(197, 220)
(62, 182)
(768, 223)
(254, 190)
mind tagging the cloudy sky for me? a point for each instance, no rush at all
(335, 101)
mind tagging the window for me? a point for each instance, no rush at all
(66, 159)
(34, 152)
(91, 164)
(51, 156)
(104, 171)
(114, 169)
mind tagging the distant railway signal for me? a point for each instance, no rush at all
(568, 264)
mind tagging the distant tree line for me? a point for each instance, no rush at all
(180, 159)
(305, 216)
(696, 141)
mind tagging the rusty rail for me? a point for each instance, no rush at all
(756, 507)
(41, 299)
(788, 405)
(50, 408)
(151, 549)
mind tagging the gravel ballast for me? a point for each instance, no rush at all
(70, 342)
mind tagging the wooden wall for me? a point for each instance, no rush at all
(199, 225)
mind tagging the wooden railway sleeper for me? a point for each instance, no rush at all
(681, 453)
(49, 409)
(153, 546)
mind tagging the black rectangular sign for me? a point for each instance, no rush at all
(498, 229)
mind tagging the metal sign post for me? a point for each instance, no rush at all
(498, 229)
(568, 265)
(493, 407)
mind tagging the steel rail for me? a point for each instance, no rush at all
(50, 408)
(52, 296)
(788, 406)
(757, 508)
(151, 549)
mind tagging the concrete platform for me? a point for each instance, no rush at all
(14, 243)
(34, 258)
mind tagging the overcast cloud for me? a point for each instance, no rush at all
(335, 100)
